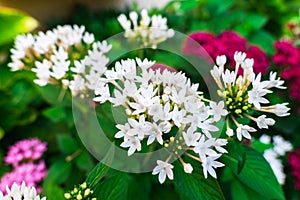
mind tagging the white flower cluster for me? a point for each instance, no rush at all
(149, 30)
(272, 155)
(157, 102)
(245, 94)
(22, 192)
(66, 55)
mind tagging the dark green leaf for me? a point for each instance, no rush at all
(84, 161)
(2, 132)
(67, 144)
(194, 186)
(58, 172)
(100, 170)
(256, 173)
(52, 191)
(264, 40)
(55, 114)
(113, 188)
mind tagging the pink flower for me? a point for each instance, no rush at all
(227, 43)
(24, 151)
(287, 55)
(30, 173)
(294, 160)
(261, 63)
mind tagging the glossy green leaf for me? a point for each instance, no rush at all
(195, 186)
(115, 187)
(14, 22)
(256, 172)
(100, 170)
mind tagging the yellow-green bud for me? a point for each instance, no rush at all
(87, 192)
(83, 185)
(67, 195)
(79, 197)
(172, 139)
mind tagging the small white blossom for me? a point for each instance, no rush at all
(281, 146)
(217, 110)
(243, 131)
(264, 122)
(281, 110)
(277, 83)
(163, 169)
(239, 57)
(221, 60)
(209, 164)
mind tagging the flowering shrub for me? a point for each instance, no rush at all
(157, 118)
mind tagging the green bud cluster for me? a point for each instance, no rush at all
(175, 145)
(237, 105)
(81, 192)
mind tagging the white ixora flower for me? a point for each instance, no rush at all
(150, 30)
(163, 169)
(20, 192)
(209, 164)
(158, 102)
(272, 155)
(49, 55)
(244, 94)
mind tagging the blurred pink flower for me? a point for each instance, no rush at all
(294, 160)
(226, 43)
(24, 151)
(30, 173)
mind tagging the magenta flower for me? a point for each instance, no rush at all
(227, 43)
(30, 173)
(294, 160)
(24, 151)
(24, 156)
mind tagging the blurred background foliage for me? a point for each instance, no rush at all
(28, 110)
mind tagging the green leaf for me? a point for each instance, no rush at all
(113, 188)
(194, 186)
(84, 161)
(52, 191)
(255, 21)
(14, 22)
(55, 114)
(261, 147)
(100, 170)
(67, 144)
(188, 5)
(139, 187)
(256, 172)
(58, 172)
(2, 132)
(240, 191)
(55, 95)
(263, 39)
